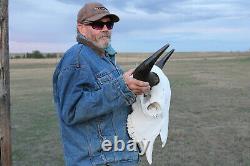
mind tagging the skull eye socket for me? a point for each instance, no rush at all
(154, 109)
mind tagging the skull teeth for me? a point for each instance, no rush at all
(130, 128)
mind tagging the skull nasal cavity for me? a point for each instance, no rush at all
(154, 109)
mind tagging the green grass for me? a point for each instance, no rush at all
(35, 133)
(209, 114)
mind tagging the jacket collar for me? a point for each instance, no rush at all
(83, 40)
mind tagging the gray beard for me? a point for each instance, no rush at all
(83, 40)
(99, 45)
(102, 46)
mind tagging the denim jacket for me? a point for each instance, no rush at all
(93, 102)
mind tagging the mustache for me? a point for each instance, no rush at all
(104, 34)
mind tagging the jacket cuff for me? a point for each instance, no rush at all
(125, 91)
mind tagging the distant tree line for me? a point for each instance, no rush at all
(36, 55)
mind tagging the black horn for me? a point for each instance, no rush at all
(142, 72)
(162, 62)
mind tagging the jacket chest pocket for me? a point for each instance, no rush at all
(107, 80)
(106, 76)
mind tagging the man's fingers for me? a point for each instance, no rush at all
(138, 87)
(143, 89)
(130, 71)
(137, 92)
(141, 83)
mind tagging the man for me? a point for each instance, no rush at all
(92, 95)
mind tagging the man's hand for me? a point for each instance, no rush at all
(136, 86)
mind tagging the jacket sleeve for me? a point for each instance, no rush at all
(78, 103)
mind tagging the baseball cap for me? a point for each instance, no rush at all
(91, 12)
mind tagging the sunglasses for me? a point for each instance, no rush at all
(98, 25)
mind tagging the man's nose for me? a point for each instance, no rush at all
(105, 28)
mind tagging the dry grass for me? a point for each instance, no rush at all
(209, 114)
(34, 61)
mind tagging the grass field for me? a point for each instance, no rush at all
(209, 114)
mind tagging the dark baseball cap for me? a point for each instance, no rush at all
(91, 12)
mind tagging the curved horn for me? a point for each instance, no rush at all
(162, 62)
(143, 70)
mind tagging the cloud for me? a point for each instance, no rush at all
(32, 21)
(143, 23)
(184, 10)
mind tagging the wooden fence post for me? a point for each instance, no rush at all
(5, 124)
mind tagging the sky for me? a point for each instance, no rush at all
(144, 26)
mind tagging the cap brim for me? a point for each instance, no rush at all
(113, 17)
